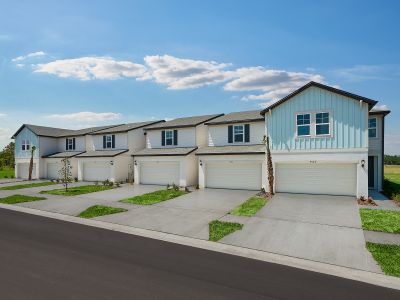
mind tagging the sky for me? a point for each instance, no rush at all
(74, 64)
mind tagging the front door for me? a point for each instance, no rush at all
(371, 172)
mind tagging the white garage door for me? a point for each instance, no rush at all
(330, 179)
(162, 173)
(52, 170)
(23, 171)
(233, 175)
(96, 171)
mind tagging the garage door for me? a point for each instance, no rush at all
(52, 170)
(23, 170)
(233, 175)
(96, 171)
(162, 173)
(330, 179)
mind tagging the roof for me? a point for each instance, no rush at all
(229, 150)
(102, 153)
(322, 86)
(183, 122)
(383, 112)
(127, 127)
(165, 151)
(63, 154)
(237, 117)
(59, 132)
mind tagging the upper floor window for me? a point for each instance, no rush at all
(70, 144)
(372, 127)
(303, 122)
(108, 141)
(25, 145)
(238, 133)
(169, 137)
(322, 123)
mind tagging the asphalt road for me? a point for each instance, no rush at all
(42, 258)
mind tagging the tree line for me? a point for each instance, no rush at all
(392, 159)
(7, 156)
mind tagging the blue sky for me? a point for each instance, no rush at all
(81, 63)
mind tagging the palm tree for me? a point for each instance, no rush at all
(269, 166)
(31, 162)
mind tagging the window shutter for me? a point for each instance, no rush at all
(163, 138)
(104, 142)
(113, 141)
(73, 144)
(66, 144)
(247, 133)
(230, 134)
(175, 137)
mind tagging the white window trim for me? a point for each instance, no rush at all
(329, 124)
(376, 128)
(70, 144)
(313, 124)
(310, 125)
(109, 141)
(27, 145)
(171, 138)
(243, 133)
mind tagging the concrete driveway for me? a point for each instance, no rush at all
(186, 215)
(320, 228)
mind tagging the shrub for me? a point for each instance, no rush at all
(5, 176)
(197, 187)
(117, 184)
(168, 186)
(12, 176)
(76, 179)
(175, 187)
(186, 189)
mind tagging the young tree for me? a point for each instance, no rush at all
(269, 166)
(31, 162)
(65, 172)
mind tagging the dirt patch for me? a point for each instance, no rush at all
(366, 201)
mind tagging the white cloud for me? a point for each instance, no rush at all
(368, 72)
(3, 115)
(392, 144)
(274, 84)
(30, 55)
(87, 116)
(5, 137)
(87, 68)
(179, 73)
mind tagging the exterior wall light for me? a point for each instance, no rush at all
(111, 162)
(362, 163)
(135, 162)
(201, 162)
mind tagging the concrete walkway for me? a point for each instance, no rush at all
(320, 228)
(382, 237)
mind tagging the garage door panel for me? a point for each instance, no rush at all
(96, 171)
(53, 170)
(235, 175)
(160, 173)
(331, 179)
(23, 170)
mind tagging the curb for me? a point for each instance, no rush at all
(344, 272)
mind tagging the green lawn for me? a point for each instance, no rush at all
(7, 172)
(100, 210)
(154, 197)
(79, 190)
(380, 220)
(26, 185)
(250, 207)
(219, 229)
(391, 185)
(19, 199)
(388, 257)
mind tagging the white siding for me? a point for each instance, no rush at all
(186, 138)
(79, 143)
(121, 141)
(136, 140)
(202, 135)
(47, 145)
(218, 134)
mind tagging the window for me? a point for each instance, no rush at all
(169, 137)
(25, 145)
(372, 128)
(303, 125)
(70, 144)
(238, 133)
(108, 141)
(322, 123)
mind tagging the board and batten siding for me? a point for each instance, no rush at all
(349, 122)
(26, 134)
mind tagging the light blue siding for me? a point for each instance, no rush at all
(26, 134)
(348, 122)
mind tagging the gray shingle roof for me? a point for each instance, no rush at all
(63, 154)
(127, 127)
(165, 151)
(377, 111)
(102, 153)
(221, 150)
(183, 122)
(238, 117)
